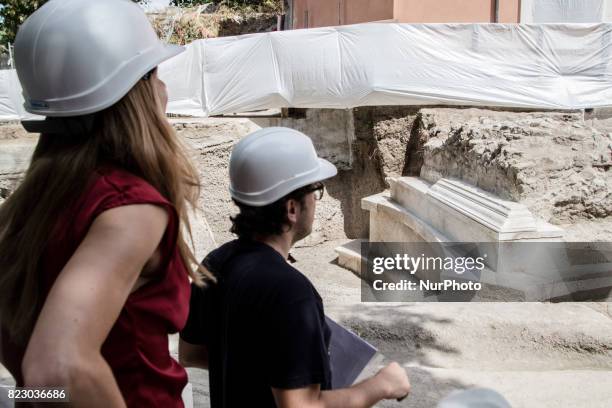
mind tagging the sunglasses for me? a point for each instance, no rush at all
(318, 189)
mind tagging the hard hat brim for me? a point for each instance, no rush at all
(326, 170)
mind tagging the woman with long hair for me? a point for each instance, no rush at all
(94, 260)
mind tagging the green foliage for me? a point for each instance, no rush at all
(187, 26)
(264, 6)
(14, 12)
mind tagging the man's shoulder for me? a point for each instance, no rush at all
(256, 267)
(241, 254)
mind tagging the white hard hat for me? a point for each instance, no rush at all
(76, 57)
(272, 162)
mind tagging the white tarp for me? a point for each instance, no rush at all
(10, 91)
(564, 11)
(183, 77)
(551, 66)
(7, 109)
(532, 66)
(11, 99)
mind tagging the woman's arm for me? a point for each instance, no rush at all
(84, 303)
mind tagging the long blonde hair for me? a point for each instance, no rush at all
(133, 135)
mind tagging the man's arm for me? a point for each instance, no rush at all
(193, 349)
(192, 355)
(390, 383)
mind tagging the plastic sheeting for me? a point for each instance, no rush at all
(564, 11)
(552, 66)
(184, 77)
(531, 66)
(11, 101)
(7, 107)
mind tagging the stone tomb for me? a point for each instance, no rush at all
(450, 210)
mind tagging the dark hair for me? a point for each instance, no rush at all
(270, 219)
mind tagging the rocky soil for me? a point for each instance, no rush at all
(553, 162)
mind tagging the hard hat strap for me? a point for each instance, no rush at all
(75, 125)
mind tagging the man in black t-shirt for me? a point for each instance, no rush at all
(260, 329)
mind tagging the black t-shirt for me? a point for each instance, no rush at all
(263, 324)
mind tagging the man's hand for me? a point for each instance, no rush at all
(389, 383)
(395, 379)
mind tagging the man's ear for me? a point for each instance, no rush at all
(293, 210)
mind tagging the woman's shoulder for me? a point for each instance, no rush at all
(114, 187)
(125, 185)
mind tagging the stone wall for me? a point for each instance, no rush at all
(367, 145)
(553, 162)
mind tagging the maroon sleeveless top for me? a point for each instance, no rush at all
(137, 346)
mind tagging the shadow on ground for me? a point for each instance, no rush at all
(402, 336)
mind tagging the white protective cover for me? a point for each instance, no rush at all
(564, 11)
(549, 66)
(7, 105)
(552, 66)
(11, 100)
(183, 76)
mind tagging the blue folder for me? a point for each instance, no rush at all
(349, 355)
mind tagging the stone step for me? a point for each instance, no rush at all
(465, 213)
(390, 222)
(349, 256)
